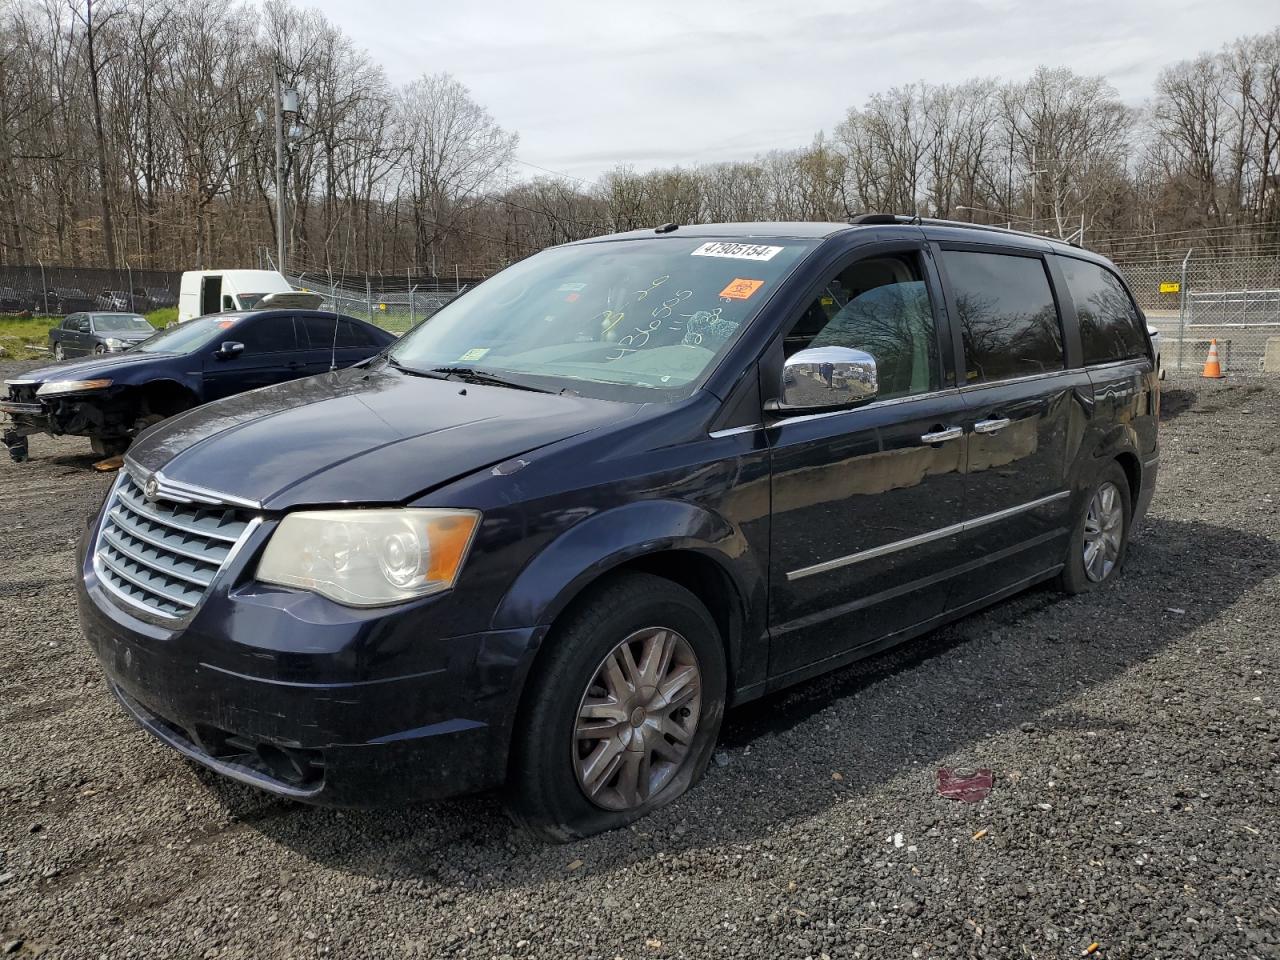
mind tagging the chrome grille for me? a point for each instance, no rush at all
(162, 555)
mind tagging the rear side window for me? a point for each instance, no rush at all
(1110, 325)
(320, 333)
(1008, 318)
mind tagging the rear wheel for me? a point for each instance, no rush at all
(1100, 539)
(623, 712)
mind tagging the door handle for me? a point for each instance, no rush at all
(992, 425)
(943, 435)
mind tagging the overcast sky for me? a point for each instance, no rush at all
(589, 85)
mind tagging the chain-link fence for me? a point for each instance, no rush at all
(1193, 302)
(52, 291)
(393, 303)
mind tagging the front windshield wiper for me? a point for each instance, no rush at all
(412, 371)
(472, 375)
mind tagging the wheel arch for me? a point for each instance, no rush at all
(1132, 468)
(166, 396)
(674, 540)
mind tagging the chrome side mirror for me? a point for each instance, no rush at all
(229, 349)
(825, 378)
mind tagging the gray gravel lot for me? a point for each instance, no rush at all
(1134, 735)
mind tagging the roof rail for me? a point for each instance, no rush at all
(871, 219)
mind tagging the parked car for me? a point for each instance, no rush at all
(156, 298)
(60, 301)
(85, 333)
(545, 540)
(111, 399)
(13, 300)
(122, 300)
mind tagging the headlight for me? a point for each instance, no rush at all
(70, 386)
(114, 344)
(369, 558)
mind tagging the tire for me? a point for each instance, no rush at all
(1107, 501)
(108, 448)
(99, 349)
(552, 769)
(58, 352)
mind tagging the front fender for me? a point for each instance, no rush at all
(606, 540)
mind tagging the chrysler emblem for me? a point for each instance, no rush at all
(152, 488)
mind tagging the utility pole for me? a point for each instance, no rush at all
(284, 109)
(282, 218)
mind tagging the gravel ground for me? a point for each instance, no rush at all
(1133, 732)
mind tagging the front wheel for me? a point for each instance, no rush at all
(112, 447)
(58, 352)
(1100, 538)
(623, 712)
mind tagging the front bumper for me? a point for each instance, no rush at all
(301, 697)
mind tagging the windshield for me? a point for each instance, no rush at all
(248, 300)
(627, 319)
(119, 321)
(191, 335)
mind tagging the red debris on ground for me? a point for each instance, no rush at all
(969, 786)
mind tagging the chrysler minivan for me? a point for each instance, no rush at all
(544, 540)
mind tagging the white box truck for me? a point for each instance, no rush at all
(217, 291)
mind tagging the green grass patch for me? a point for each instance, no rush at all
(25, 338)
(162, 318)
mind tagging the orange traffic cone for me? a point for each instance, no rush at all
(1212, 369)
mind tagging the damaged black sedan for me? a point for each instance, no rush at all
(111, 399)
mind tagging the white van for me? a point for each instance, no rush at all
(216, 291)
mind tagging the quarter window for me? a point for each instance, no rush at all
(1110, 325)
(1008, 318)
(879, 305)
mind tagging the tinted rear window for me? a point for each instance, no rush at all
(319, 332)
(1008, 318)
(1110, 325)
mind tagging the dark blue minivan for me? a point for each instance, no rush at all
(544, 540)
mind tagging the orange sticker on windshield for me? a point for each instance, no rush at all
(226, 324)
(739, 289)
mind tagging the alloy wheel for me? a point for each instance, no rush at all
(637, 719)
(1103, 531)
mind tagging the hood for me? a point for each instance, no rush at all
(91, 368)
(367, 436)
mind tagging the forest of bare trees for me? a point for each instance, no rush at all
(132, 133)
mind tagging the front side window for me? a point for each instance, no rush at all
(1008, 318)
(267, 335)
(1110, 325)
(622, 319)
(879, 305)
